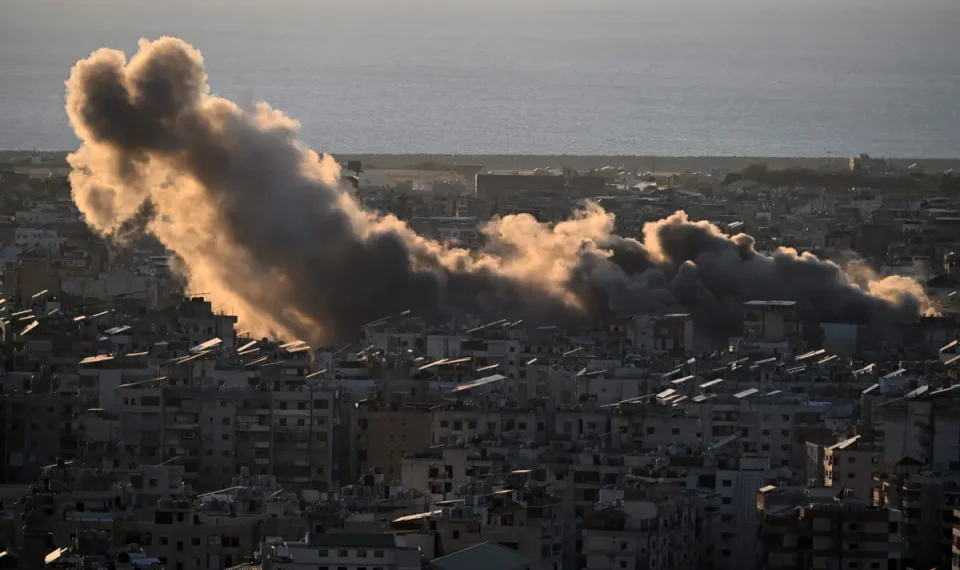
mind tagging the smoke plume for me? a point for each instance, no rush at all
(262, 223)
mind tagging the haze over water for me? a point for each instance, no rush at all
(658, 77)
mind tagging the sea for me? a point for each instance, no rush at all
(641, 77)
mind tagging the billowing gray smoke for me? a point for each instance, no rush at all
(261, 223)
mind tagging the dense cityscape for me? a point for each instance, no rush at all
(225, 350)
(144, 427)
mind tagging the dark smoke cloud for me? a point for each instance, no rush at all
(261, 222)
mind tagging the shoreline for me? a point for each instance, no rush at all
(586, 162)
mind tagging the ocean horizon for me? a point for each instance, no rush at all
(692, 78)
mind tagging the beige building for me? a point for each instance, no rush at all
(385, 434)
(850, 464)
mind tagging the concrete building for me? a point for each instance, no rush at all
(484, 556)
(838, 533)
(927, 502)
(385, 434)
(924, 429)
(850, 464)
(331, 551)
(640, 531)
(287, 433)
(38, 430)
(184, 538)
(770, 327)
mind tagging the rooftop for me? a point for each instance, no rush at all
(351, 540)
(484, 556)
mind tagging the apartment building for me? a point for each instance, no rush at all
(641, 530)
(927, 502)
(840, 532)
(287, 432)
(332, 551)
(924, 429)
(527, 520)
(186, 538)
(382, 435)
(850, 464)
(38, 429)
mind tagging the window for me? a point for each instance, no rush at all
(727, 483)
(727, 500)
(725, 553)
(194, 542)
(785, 417)
(342, 553)
(361, 553)
(726, 518)
(458, 425)
(444, 423)
(853, 546)
(764, 447)
(765, 432)
(226, 421)
(323, 553)
(651, 430)
(163, 541)
(456, 534)
(378, 554)
(179, 546)
(226, 437)
(675, 431)
(784, 448)
(851, 459)
(623, 563)
(851, 475)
